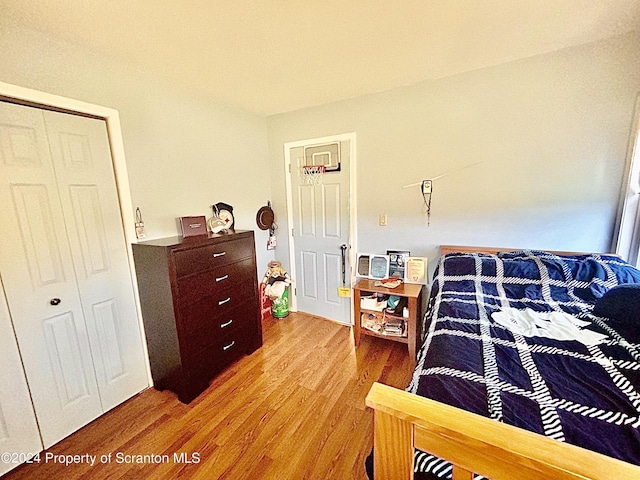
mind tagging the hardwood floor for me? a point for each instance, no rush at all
(292, 410)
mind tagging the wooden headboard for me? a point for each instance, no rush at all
(444, 249)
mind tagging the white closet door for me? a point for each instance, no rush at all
(82, 161)
(39, 279)
(18, 428)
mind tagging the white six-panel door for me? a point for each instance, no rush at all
(320, 227)
(82, 162)
(76, 326)
(37, 271)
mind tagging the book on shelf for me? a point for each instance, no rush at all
(394, 326)
(394, 322)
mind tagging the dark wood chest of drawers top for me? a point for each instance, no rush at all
(199, 298)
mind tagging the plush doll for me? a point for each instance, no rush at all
(276, 280)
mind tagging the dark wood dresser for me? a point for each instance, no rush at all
(199, 298)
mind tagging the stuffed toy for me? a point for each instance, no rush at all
(276, 280)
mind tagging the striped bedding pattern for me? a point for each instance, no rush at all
(581, 393)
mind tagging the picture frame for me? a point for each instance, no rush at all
(379, 267)
(398, 263)
(362, 265)
(373, 266)
(416, 270)
(193, 226)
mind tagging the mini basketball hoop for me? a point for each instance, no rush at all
(312, 174)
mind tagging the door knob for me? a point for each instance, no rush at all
(55, 301)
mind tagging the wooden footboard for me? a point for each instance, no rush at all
(473, 443)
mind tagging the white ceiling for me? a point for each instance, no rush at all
(274, 56)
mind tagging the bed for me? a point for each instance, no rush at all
(530, 368)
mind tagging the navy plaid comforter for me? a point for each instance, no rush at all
(587, 395)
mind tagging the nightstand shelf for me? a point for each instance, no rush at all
(412, 334)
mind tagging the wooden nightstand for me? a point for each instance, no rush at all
(412, 335)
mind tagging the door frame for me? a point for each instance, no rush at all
(353, 205)
(47, 101)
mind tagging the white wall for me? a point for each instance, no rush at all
(551, 132)
(183, 152)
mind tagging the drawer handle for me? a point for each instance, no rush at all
(215, 255)
(224, 277)
(226, 324)
(222, 302)
(227, 347)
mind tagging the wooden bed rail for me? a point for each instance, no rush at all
(473, 443)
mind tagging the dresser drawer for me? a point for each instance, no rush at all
(189, 262)
(207, 324)
(229, 281)
(229, 349)
(202, 366)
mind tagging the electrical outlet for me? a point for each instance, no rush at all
(383, 220)
(426, 187)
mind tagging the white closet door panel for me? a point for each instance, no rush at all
(65, 352)
(35, 217)
(18, 428)
(83, 165)
(37, 267)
